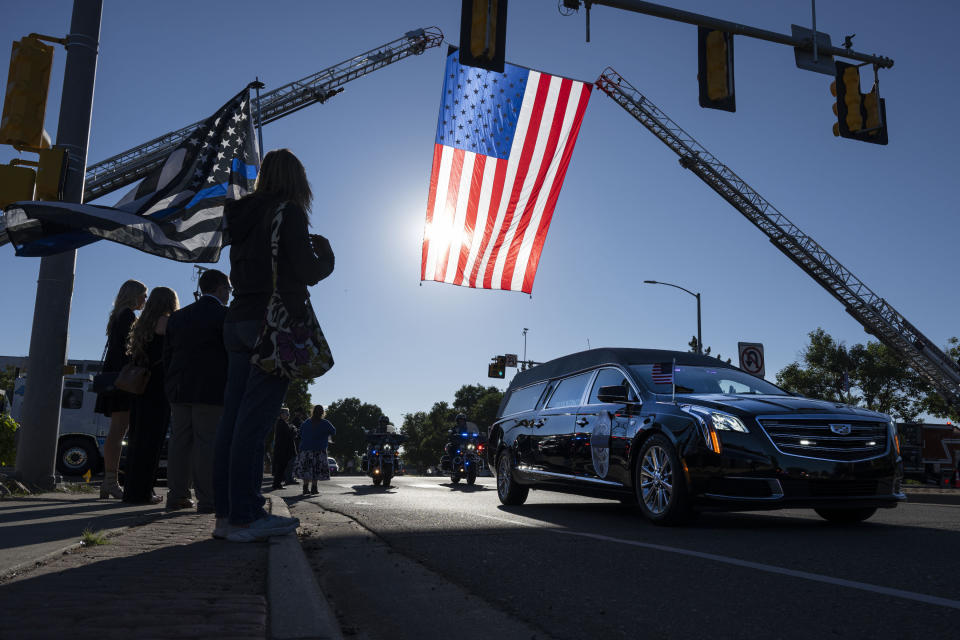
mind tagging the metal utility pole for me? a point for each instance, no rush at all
(695, 295)
(37, 448)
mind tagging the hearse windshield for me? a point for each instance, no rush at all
(700, 379)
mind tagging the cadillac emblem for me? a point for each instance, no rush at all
(841, 429)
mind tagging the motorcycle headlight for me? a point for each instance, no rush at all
(711, 421)
(471, 446)
(387, 447)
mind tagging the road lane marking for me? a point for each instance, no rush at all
(759, 566)
(424, 485)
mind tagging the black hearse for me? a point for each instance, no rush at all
(680, 433)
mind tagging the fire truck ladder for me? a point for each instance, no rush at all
(876, 315)
(133, 164)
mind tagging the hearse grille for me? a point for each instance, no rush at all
(848, 440)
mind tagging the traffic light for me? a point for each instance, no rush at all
(51, 172)
(715, 69)
(483, 34)
(859, 117)
(16, 184)
(497, 368)
(25, 103)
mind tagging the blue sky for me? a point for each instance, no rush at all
(627, 212)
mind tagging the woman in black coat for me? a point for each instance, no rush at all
(116, 404)
(150, 411)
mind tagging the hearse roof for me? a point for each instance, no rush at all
(623, 356)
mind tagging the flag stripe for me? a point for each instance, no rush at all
(443, 183)
(448, 214)
(527, 128)
(576, 107)
(473, 203)
(499, 179)
(457, 233)
(431, 200)
(546, 148)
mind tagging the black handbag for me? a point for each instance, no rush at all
(104, 382)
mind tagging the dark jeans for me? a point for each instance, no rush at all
(251, 405)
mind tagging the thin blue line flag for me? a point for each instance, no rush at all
(176, 212)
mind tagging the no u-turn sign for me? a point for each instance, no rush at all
(751, 358)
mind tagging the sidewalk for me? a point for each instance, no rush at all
(160, 575)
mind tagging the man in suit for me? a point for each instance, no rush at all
(195, 361)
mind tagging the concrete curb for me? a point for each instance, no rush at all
(298, 608)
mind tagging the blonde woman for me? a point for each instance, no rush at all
(150, 411)
(116, 404)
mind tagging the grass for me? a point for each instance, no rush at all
(93, 538)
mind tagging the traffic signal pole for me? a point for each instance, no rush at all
(677, 15)
(37, 447)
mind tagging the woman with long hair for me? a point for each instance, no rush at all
(253, 397)
(116, 404)
(150, 411)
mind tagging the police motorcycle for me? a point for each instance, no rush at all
(381, 460)
(463, 452)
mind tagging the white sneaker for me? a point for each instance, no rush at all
(221, 529)
(263, 528)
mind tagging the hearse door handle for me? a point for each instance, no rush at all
(582, 421)
(538, 423)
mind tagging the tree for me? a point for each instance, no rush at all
(350, 416)
(870, 375)
(478, 403)
(933, 403)
(298, 398)
(821, 374)
(426, 434)
(693, 349)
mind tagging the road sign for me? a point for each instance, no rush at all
(511, 359)
(751, 358)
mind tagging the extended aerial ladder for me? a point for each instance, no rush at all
(876, 315)
(133, 164)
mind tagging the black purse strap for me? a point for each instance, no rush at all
(275, 243)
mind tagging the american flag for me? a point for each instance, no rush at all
(503, 144)
(176, 212)
(662, 373)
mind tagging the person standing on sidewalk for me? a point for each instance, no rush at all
(312, 463)
(115, 404)
(195, 364)
(150, 411)
(253, 396)
(284, 448)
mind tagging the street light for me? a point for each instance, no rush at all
(695, 295)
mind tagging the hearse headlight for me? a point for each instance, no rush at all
(711, 421)
(894, 436)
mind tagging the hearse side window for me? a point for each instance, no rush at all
(569, 392)
(608, 378)
(524, 399)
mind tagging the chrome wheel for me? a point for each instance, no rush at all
(503, 477)
(656, 480)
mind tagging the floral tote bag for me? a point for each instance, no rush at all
(289, 347)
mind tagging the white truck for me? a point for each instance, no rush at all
(82, 432)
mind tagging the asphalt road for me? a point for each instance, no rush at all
(570, 567)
